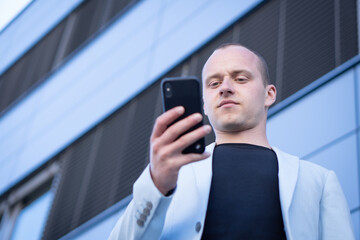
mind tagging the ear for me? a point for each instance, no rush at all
(270, 96)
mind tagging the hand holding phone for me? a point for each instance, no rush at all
(174, 132)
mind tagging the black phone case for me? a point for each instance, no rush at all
(185, 91)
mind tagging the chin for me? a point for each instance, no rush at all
(232, 127)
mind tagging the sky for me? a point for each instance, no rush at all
(9, 9)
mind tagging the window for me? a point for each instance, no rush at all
(31, 219)
(25, 208)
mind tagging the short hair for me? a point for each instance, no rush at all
(264, 70)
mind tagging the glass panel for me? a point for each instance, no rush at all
(31, 220)
(356, 223)
(358, 94)
(12, 9)
(102, 230)
(317, 119)
(342, 158)
(99, 230)
(7, 167)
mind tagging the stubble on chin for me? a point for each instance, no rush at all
(232, 124)
(234, 127)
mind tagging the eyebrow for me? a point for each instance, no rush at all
(233, 74)
(216, 75)
(242, 71)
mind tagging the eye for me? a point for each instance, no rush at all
(240, 79)
(214, 84)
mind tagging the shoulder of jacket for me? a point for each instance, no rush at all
(305, 165)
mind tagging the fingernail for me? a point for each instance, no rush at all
(197, 116)
(207, 128)
(180, 109)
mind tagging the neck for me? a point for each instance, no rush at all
(255, 136)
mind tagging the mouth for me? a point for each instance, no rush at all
(227, 103)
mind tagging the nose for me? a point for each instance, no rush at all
(226, 88)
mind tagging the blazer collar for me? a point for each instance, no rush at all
(288, 174)
(203, 174)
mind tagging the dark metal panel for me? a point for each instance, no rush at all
(348, 30)
(10, 81)
(65, 201)
(87, 22)
(109, 166)
(309, 43)
(43, 56)
(118, 7)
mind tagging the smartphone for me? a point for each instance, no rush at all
(184, 91)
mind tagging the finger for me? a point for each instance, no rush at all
(175, 130)
(186, 140)
(163, 121)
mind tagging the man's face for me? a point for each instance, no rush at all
(235, 98)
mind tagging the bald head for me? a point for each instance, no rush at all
(261, 63)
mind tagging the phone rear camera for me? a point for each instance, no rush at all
(168, 91)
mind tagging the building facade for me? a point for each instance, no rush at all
(80, 91)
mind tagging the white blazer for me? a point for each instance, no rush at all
(312, 202)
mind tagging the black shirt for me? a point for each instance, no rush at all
(244, 195)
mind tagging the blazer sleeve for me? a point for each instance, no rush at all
(145, 215)
(335, 218)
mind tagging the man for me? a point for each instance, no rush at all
(241, 187)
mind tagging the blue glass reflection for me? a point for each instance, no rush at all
(101, 230)
(342, 158)
(31, 220)
(356, 223)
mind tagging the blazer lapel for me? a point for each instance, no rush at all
(288, 174)
(203, 172)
